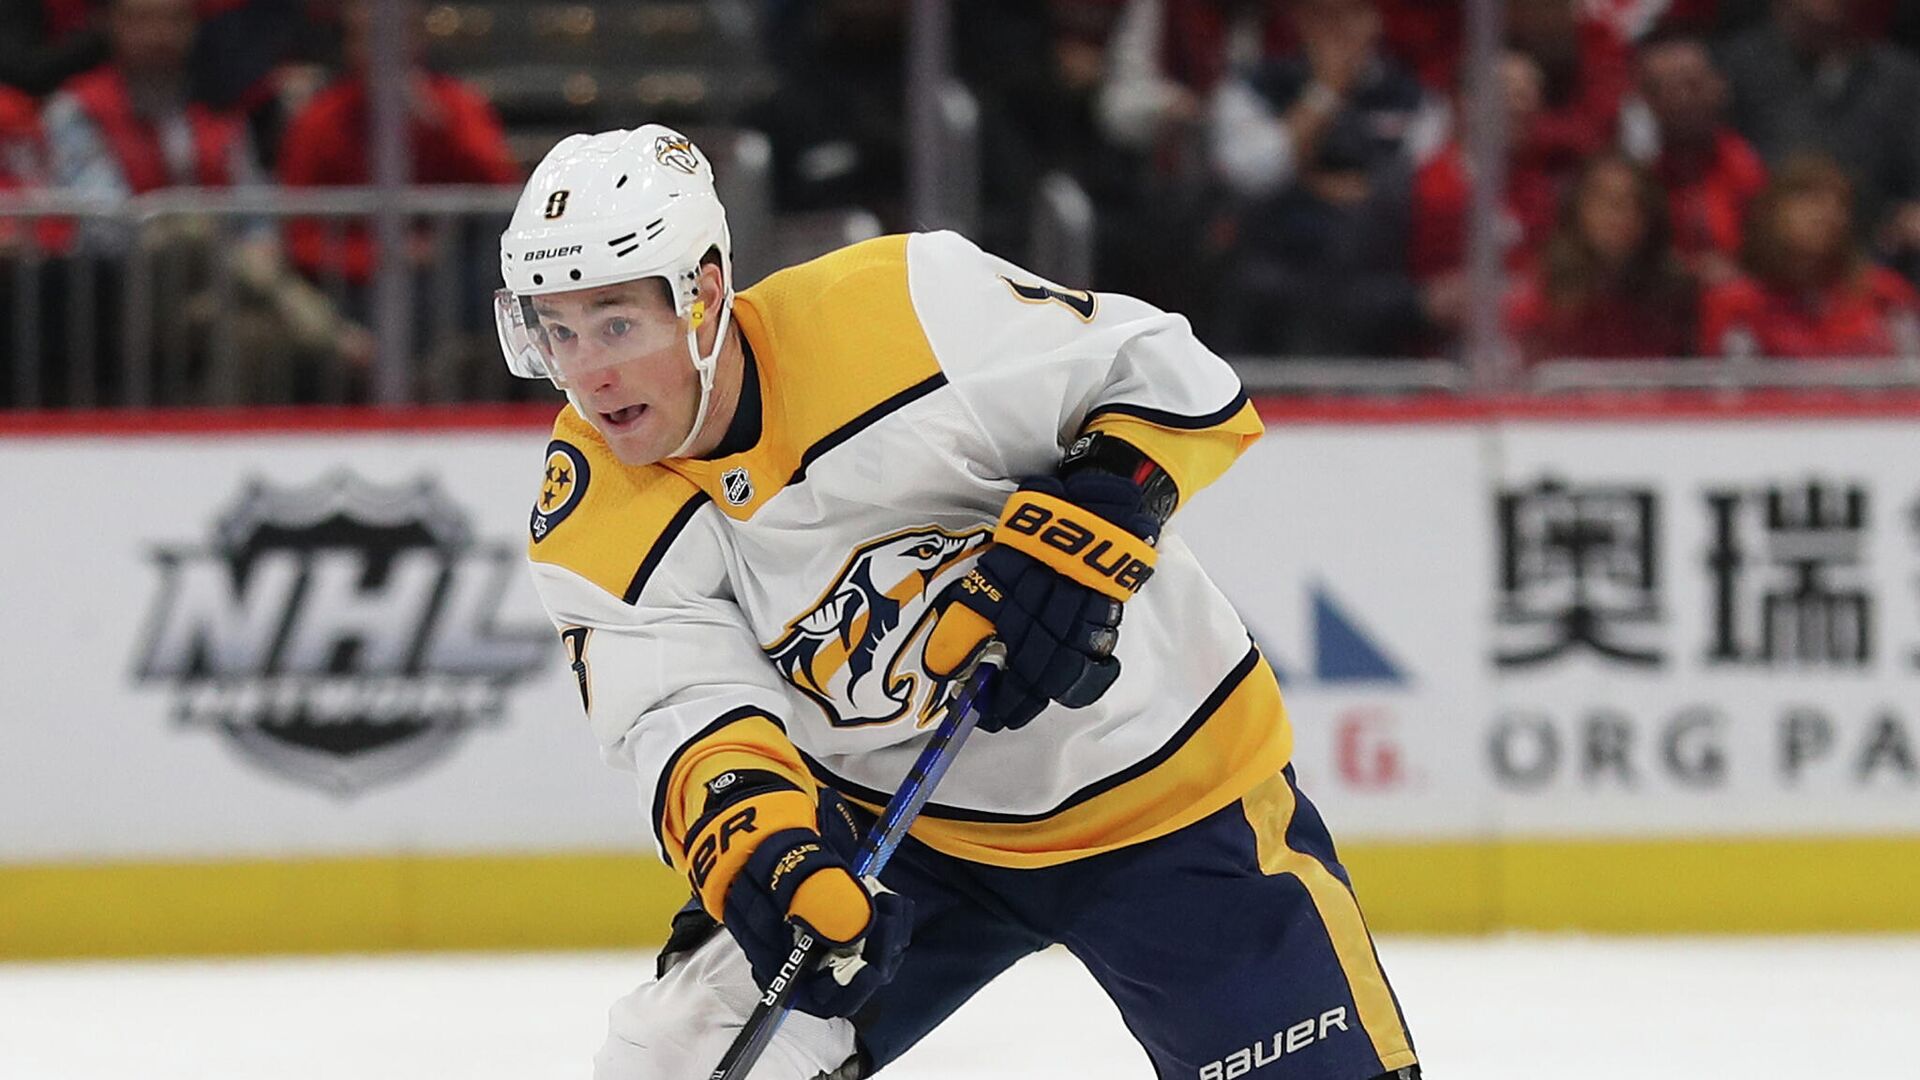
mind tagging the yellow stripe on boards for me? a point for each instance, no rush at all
(626, 899)
(1732, 885)
(1269, 809)
(375, 904)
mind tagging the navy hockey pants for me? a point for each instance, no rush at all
(1233, 947)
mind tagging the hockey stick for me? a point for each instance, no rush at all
(776, 1001)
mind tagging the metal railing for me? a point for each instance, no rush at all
(272, 295)
(192, 296)
(1063, 231)
(956, 195)
(1266, 375)
(943, 121)
(1392, 377)
(1563, 376)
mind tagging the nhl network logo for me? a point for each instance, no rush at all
(342, 635)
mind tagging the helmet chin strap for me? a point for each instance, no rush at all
(704, 367)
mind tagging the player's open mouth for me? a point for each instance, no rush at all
(624, 419)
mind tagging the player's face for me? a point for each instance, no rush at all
(622, 351)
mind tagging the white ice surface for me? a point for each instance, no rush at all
(1494, 1009)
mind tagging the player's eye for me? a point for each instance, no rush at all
(618, 327)
(559, 332)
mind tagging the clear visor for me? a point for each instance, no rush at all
(564, 337)
(513, 317)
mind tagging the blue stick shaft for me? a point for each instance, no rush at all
(878, 847)
(928, 768)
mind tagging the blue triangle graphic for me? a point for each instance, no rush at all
(1342, 652)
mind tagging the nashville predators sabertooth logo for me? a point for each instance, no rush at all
(676, 152)
(856, 652)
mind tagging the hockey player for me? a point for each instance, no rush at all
(773, 526)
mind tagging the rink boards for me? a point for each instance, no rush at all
(282, 684)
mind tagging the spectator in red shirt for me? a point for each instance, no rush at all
(1443, 190)
(1580, 44)
(1711, 174)
(18, 154)
(129, 127)
(1425, 35)
(1609, 285)
(1812, 293)
(454, 135)
(23, 167)
(19, 129)
(1588, 69)
(22, 163)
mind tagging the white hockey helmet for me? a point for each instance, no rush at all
(604, 209)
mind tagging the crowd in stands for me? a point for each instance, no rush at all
(1683, 178)
(1714, 178)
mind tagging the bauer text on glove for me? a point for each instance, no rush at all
(761, 867)
(1066, 555)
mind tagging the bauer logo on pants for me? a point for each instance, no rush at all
(342, 634)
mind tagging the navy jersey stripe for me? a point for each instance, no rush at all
(732, 716)
(1172, 419)
(1099, 787)
(865, 420)
(660, 546)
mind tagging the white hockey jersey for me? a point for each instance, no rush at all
(768, 609)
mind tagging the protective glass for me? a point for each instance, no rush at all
(564, 350)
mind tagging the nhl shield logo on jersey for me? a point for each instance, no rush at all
(676, 152)
(738, 486)
(342, 634)
(856, 651)
(562, 487)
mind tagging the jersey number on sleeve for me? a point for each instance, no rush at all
(1079, 301)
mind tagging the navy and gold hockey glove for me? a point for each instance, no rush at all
(757, 861)
(1066, 554)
